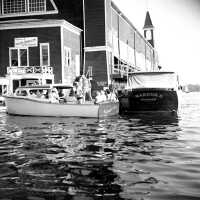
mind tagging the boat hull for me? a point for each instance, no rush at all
(148, 100)
(33, 107)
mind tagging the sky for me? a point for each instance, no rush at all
(177, 33)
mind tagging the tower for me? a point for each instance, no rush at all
(149, 29)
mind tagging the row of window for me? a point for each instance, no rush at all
(19, 57)
(22, 6)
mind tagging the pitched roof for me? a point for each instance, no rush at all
(148, 22)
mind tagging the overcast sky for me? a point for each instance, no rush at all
(177, 32)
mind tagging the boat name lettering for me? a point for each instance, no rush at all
(149, 94)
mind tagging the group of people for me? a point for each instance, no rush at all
(82, 89)
(51, 95)
(79, 93)
(105, 95)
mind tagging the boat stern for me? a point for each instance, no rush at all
(107, 109)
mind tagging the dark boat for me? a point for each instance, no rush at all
(150, 92)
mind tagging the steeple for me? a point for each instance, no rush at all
(148, 22)
(149, 29)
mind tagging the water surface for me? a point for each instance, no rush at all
(142, 157)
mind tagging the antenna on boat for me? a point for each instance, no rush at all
(147, 4)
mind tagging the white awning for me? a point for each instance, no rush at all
(152, 80)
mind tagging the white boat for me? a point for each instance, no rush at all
(17, 104)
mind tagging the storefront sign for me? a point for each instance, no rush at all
(26, 42)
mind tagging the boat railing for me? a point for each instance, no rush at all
(29, 70)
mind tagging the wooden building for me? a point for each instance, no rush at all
(56, 40)
(113, 46)
(37, 43)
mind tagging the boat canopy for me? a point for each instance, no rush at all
(152, 80)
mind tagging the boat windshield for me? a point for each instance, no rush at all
(152, 80)
(32, 91)
(21, 93)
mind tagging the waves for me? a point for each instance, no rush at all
(149, 156)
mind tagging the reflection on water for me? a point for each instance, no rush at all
(152, 156)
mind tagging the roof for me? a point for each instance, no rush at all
(152, 73)
(62, 86)
(38, 23)
(48, 86)
(36, 87)
(148, 22)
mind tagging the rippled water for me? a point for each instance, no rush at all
(137, 157)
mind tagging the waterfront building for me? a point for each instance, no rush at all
(37, 43)
(113, 46)
(56, 40)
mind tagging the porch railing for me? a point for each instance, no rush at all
(29, 70)
(123, 69)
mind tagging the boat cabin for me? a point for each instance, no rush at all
(64, 93)
(28, 91)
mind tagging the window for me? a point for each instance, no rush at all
(148, 35)
(37, 5)
(67, 57)
(3, 89)
(13, 57)
(14, 6)
(22, 6)
(21, 93)
(44, 54)
(0, 8)
(18, 57)
(23, 57)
